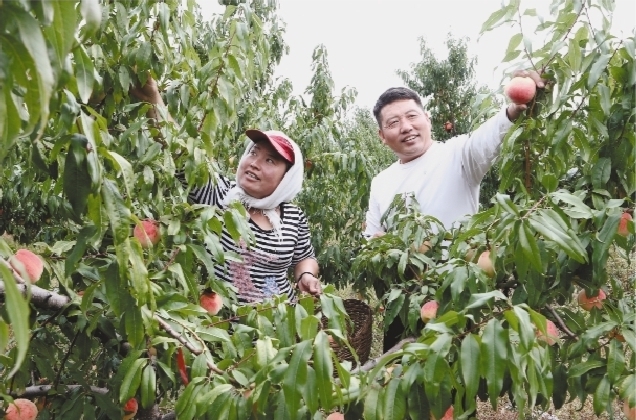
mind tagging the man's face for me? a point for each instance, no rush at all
(406, 129)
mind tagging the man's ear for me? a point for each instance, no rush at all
(381, 135)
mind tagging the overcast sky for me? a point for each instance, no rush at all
(368, 40)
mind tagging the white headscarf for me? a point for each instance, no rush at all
(287, 189)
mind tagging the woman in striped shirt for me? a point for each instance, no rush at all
(268, 178)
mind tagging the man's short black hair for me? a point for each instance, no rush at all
(394, 94)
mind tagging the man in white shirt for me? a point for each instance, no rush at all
(444, 177)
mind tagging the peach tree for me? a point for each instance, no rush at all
(112, 326)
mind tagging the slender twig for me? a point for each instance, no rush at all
(175, 334)
(66, 356)
(371, 363)
(560, 323)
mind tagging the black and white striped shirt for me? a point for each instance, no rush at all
(264, 270)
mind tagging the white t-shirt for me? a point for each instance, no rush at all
(445, 180)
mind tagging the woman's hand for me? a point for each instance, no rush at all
(309, 284)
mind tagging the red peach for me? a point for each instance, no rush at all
(28, 265)
(429, 310)
(147, 233)
(448, 415)
(553, 333)
(485, 264)
(630, 412)
(130, 409)
(521, 90)
(211, 302)
(622, 225)
(588, 302)
(335, 416)
(21, 409)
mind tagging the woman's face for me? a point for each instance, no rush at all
(261, 171)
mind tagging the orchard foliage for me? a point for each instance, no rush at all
(111, 320)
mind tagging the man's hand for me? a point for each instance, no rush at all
(310, 284)
(514, 110)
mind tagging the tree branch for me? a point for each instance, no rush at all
(40, 297)
(371, 363)
(43, 390)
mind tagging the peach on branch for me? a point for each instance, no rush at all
(485, 264)
(147, 233)
(21, 409)
(588, 302)
(448, 415)
(130, 409)
(622, 224)
(429, 310)
(423, 248)
(521, 90)
(211, 302)
(28, 265)
(552, 333)
(335, 416)
(630, 412)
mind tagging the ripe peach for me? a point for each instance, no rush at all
(630, 412)
(130, 409)
(485, 264)
(622, 225)
(448, 415)
(521, 90)
(588, 302)
(147, 233)
(335, 416)
(553, 333)
(21, 409)
(429, 310)
(448, 126)
(28, 265)
(211, 302)
(423, 248)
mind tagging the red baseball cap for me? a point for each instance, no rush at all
(278, 139)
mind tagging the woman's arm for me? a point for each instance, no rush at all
(305, 274)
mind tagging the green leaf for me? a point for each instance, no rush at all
(134, 326)
(529, 247)
(125, 170)
(296, 376)
(323, 365)
(33, 40)
(469, 357)
(131, 381)
(580, 368)
(61, 32)
(493, 357)
(601, 173)
(574, 55)
(118, 212)
(18, 311)
(601, 396)
(84, 73)
(615, 361)
(394, 401)
(77, 180)
(599, 66)
(478, 300)
(373, 402)
(148, 386)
